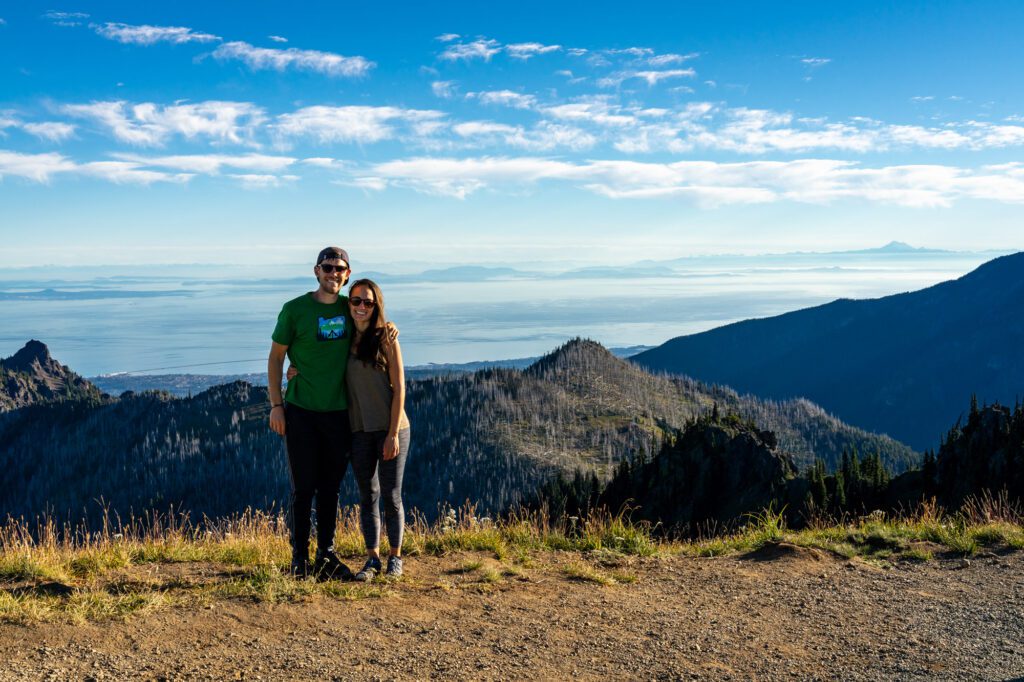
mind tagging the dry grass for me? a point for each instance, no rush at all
(70, 574)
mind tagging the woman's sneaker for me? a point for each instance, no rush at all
(370, 570)
(394, 567)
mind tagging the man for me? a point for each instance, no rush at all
(314, 331)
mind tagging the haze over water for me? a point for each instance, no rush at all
(218, 320)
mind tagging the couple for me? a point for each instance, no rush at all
(345, 397)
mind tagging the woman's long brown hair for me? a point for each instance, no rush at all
(371, 348)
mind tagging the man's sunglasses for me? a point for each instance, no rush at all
(328, 268)
(367, 302)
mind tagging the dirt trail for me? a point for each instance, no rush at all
(785, 612)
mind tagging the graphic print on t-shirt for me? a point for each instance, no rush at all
(330, 328)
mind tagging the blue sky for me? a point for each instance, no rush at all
(229, 132)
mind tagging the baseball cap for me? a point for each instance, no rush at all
(332, 252)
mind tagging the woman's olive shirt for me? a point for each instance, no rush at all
(369, 397)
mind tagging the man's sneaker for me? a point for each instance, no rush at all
(329, 567)
(370, 570)
(299, 569)
(394, 567)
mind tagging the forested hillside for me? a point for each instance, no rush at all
(491, 437)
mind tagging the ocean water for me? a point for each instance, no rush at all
(214, 320)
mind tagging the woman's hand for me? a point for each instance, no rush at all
(391, 446)
(291, 373)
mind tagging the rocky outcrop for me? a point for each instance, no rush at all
(716, 471)
(32, 376)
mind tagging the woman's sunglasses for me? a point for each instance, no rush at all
(367, 302)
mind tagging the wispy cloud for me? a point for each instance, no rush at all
(545, 136)
(660, 60)
(815, 62)
(359, 124)
(42, 167)
(149, 124)
(37, 167)
(150, 35)
(482, 48)
(278, 39)
(54, 131)
(124, 172)
(262, 58)
(67, 19)
(447, 37)
(526, 50)
(711, 184)
(211, 164)
(506, 98)
(256, 181)
(598, 110)
(443, 89)
(652, 77)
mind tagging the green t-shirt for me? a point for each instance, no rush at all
(318, 336)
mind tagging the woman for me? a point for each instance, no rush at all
(380, 428)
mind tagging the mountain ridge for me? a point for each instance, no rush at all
(32, 376)
(898, 364)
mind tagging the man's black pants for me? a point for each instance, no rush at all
(319, 446)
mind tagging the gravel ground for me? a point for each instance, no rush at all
(781, 613)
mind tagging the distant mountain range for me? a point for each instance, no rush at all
(900, 364)
(491, 436)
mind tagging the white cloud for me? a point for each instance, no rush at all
(922, 98)
(630, 51)
(711, 183)
(526, 50)
(53, 131)
(543, 137)
(41, 167)
(447, 37)
(594, 110)
(815, 62)
(506, 98)
(38, 167)
(7, 122)
(660, 60)
(652, 77)
(263, 181)
(123, 172)
(211, 164)
(321, 162)
(482, 48)
(360, 124)
(149, 124)
(327, 63)
(150, 35)
(278, 39)
(474, 128)
(66, 19)
(365, 183)
(443, 89)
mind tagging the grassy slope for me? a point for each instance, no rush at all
(51, 574)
